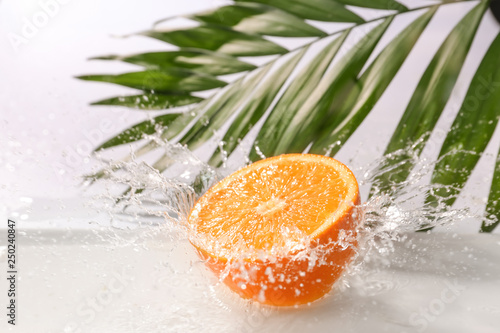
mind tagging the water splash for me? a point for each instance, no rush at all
(136, 188)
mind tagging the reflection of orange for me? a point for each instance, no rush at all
(279, 231)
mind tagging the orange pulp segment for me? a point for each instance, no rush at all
(279, 231)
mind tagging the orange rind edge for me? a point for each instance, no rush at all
(295, 289)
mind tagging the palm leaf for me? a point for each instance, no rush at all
(259, 19)
(201, 61)
(376, 4)
(151, 101)
(319, 10)
(328, 94)
(165, 81)
(255, 107)
(369, 88)
(220, 39)
(138, 131)
(289, 104)
(471, 131)
(429, 100)
(493, 205)
(307, 97)
(221, 111)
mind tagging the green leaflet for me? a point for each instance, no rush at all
(471, 131)
(292, 99)
(138, 131)
(320, 107)
(370, 88)
(171, 80)
(259, 19)
(220, 39)
(221, 103)
(179, 124)
(174, 127)
(376, 4)
(200, 61)
(170, 125)
(255, 108)
(320, 10)
(163, 163)
(493, 205)
(429, 99)
(329, 94)
(221, 110)
(209, 107)
(150, 101)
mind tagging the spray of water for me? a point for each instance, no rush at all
(136, 188)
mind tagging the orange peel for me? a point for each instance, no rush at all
(279, 231)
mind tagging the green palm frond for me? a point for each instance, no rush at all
(431, 95)
(312, 97)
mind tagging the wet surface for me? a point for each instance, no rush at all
(150, 280)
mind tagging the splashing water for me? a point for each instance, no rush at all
(139, 189)
(171, 290)
(136, 188)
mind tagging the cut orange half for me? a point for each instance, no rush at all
(279, 231)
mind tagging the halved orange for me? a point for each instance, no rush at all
(279, 231)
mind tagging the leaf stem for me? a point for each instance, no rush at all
(339, 32)
(317, 39)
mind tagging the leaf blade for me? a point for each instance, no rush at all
(255, 108)
(219, 39)
(259, 19)
(319, 10)
(376, 4)
(429, 99)
(493, 205)
(200, 61)
(137, 131)
(221, 110)
(471, 131)
(297, 93)
(329, 94)
(372, 85)
(150, 101)
(166, 81)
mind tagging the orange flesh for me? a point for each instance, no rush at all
(279, 206)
